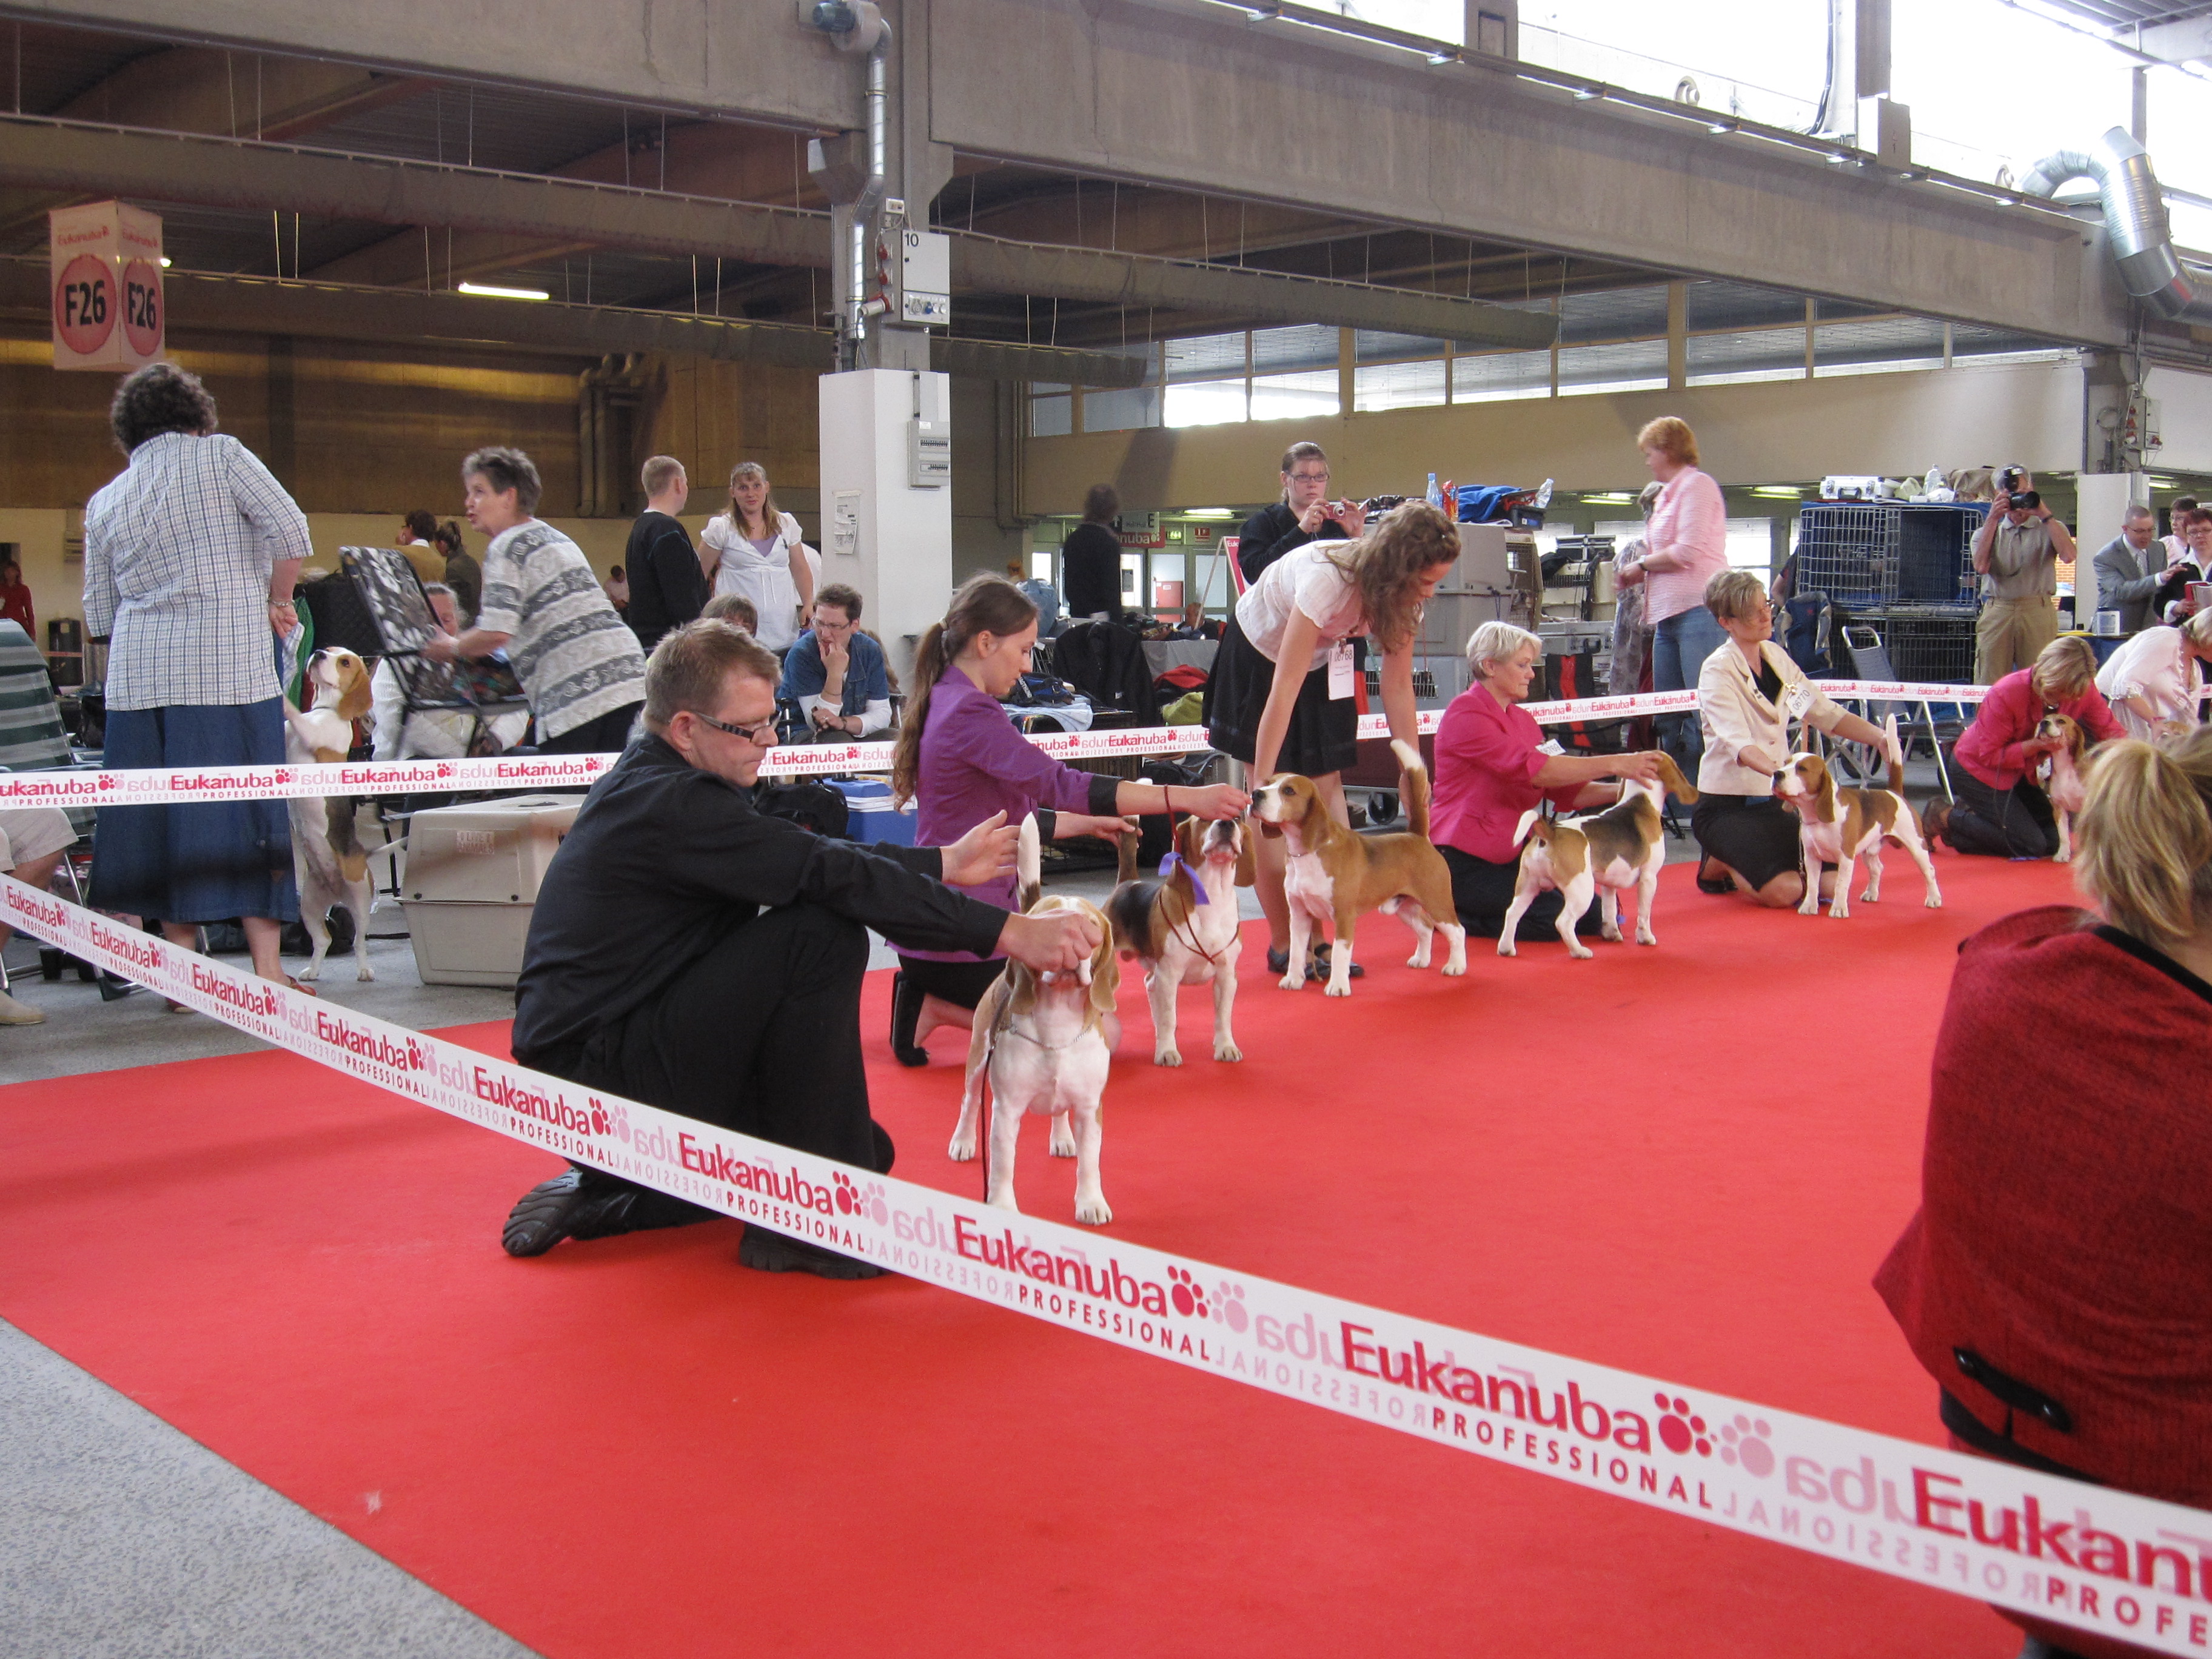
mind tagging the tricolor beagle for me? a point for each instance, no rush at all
(1184, 926)
(2060, 775)
(328, 860)
(1045, 1041)
(1333, 876)
(1839, 826)
(1603, 854)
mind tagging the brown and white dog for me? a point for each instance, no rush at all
(1839, 826)
(1045, 1041)
(1184, 926)
(2060, 775)
(1333, 877)
(328, 860)
(1602, 853)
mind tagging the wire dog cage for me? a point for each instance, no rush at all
(1869, 554)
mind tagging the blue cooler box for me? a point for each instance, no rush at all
(874, 816)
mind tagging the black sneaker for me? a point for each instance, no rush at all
(1279, 962)
(584, 1203)
(906, 1010)
(774, 1253)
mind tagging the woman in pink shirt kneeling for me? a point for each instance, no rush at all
(1491, 769)
(1998, 809)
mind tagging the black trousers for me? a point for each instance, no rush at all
(2006, 824)
(605, 735)
(762, 1034)
(1482, 892)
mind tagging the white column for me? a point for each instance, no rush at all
(881, 532)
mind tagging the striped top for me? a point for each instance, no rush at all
(31, 735)
(571, 648)
(178, 553)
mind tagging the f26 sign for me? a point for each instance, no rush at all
(108, 308)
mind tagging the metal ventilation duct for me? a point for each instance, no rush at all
(2135, 223)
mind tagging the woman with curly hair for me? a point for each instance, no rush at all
(1280, 698)
(189, 556)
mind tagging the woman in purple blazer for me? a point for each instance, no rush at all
(960, 760)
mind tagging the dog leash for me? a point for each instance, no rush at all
(1188, 938)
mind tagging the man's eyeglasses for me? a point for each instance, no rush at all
(764, 734)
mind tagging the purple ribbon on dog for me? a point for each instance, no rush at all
(1197, 887)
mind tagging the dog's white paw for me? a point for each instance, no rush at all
(1580, 951)
(1167, 1057)
(1228, 1051)
(1418, 959)
(1006, 1201)
(1337, 990)
(962, 1149)
(1935, 902)
(312, 970)
(1292, 981)
(1454, 970)
(1505, 947)
(1870, 897)
(1840, 913)
(1610, 935)
(1811, 906)
(2066, 856)
(1062, 1143)
(1092, 1212)
(1645, 936)
(365, 972)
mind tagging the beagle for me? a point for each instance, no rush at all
(1604, 852)
(2060, 775)
(1045, 1041)
(328, 860)
(1839, 826)
(1333, 875)
(1184, 926)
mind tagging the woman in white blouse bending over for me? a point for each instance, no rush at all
(2154, 681)
(1748, 692)
(1281, 696)
(755, 550)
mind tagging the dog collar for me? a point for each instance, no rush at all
(1197, 887)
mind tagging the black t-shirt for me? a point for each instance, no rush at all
(1272, 532)
(667, 588)
(1091, 571)
(664, 859)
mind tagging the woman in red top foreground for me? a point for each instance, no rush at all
(2057, 1281)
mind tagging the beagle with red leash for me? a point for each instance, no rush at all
(1602, 855)
(1045, 1042)
(2059, 772)
(1333, 877)
(1184, 926)
(1840, 826)
(328, 860)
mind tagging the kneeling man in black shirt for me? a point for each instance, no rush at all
(695, 954)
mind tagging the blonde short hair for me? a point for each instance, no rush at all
(1498, 641)
(657, 474)
(2145, 837)
(1671, 436)
(2198, 627)
(1734, 593)
(2066, 668)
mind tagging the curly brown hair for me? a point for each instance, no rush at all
(158, 398)
(1387, 565)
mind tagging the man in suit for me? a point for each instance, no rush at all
(2130, 570)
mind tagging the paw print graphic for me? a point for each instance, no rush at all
(1747, 1443)
(1678, 1430)
(600, 1121)
(1228, 1306)
(848, 1196)
(1189, 1299)
(873, 1206)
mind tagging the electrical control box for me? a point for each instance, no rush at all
(923, 270)
(929, 453)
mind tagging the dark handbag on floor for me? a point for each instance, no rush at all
(811, 804)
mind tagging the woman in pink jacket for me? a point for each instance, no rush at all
(1999, 810)
(1685, 547)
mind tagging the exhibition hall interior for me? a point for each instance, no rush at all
(648, 649)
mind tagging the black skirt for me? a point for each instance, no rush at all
(1323, 735)
(1755, 836)
(1482, 892)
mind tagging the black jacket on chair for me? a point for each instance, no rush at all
(1106, 662)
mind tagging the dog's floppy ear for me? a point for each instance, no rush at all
(355, 692)
(1248, 854)
(1190, 840)
(1021, 988)
(1827, 790)
(1105, 968)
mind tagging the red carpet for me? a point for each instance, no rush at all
(1686, 1161)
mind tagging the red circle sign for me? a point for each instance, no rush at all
(142, 306)
(84, 305)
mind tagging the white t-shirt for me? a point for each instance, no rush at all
(763, 578)
(1307, 580)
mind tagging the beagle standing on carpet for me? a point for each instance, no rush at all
(1603, 854)
(328, 860)
(1333, 876)
(1839, 826)
(1184, 926)
(1045, 1041)
(2060, 775)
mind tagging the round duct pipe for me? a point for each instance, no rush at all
(2135, 223)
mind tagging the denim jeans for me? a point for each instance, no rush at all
(1680, 646)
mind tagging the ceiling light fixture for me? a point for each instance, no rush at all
(1443, 57)
(1720, 126)
(1209, 513)
(1583, 95)
(487, 291)
(165, 261)
(1621, 496)
(1791, 491)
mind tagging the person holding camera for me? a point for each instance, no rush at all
(2017, 553)
(1304, 514)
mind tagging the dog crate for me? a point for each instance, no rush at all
(1932, 643)
(471, 883)
(1870, 554)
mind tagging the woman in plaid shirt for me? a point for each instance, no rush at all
(189, 556)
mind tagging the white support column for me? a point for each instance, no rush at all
(881, 532)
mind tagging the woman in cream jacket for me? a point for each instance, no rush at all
(1748, 691)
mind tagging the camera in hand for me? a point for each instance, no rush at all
(2017, 499)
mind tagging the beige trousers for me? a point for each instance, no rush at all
(2011, 633)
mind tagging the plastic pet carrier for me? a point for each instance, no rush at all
(1867, 554)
